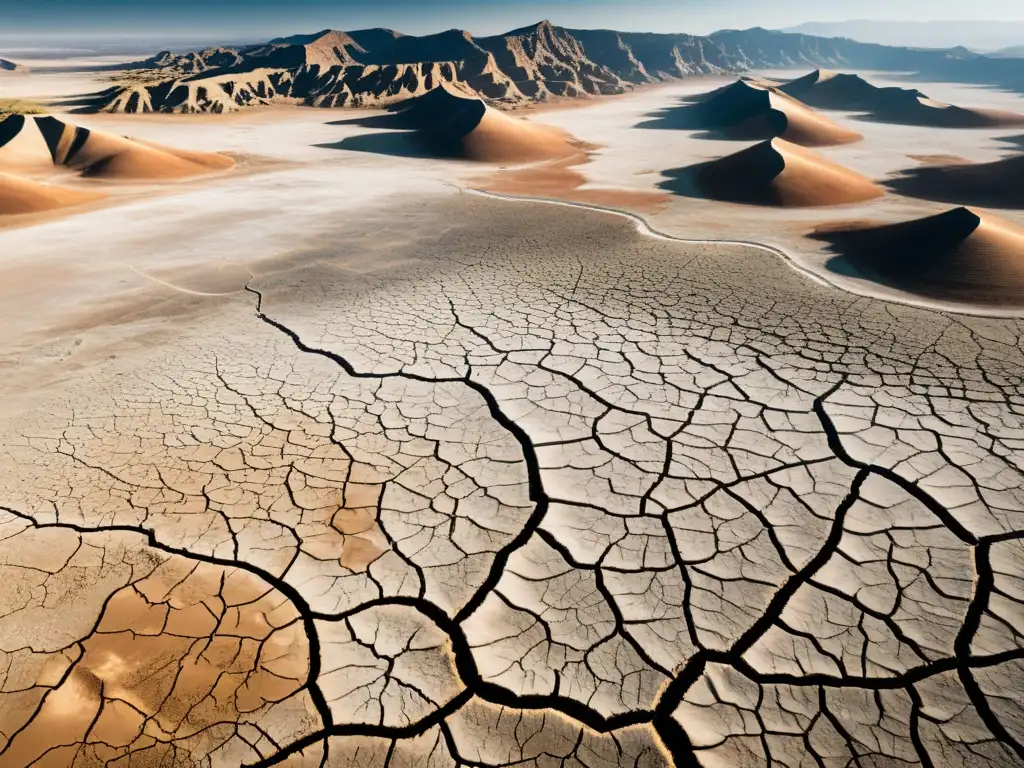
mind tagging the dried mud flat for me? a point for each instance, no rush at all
(544, 492)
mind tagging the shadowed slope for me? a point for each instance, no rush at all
(107, 156)
(905, 106)
(997, 184)
(959, 255)
(775, 173)
(753, 109)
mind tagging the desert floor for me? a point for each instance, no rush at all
(335, 461)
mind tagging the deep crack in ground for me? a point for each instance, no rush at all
(675, 504)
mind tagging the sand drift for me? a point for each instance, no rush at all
(32, 147)
(103, 155)
(449, 123)
(773, 173)
(959, 255)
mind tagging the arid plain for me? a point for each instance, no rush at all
(352, 437)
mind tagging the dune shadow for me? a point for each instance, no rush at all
(391, 122)
(736, 115)
(840, 265)
(392, 143)
(707, 130)
(10, 126)
(685, 182)
(86, 103)
(734, 122)
(945, 185)
(684, 116)
(1015, 140)
(848, 259)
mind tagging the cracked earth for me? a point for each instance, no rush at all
(545, 492)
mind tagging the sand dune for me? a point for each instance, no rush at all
(996, 184)
(103, 155)
(753, 109)
(453, 124)
(777, 173)
(905, 106)
(22, 196)
(21, 144)
(960, 255)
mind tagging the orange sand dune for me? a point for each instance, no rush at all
(999, 184)
(960, 255)
(906, 106)
(21, 144)
(754, 109)
(104, 155)
(21, 196)
(452, 123)
(779, 173)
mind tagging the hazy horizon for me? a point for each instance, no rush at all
(259, 19)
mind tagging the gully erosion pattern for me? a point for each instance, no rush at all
(612, 502)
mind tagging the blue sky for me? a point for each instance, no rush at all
(261, 18)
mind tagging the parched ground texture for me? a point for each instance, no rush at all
(544, 493)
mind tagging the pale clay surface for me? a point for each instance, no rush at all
(329, 464)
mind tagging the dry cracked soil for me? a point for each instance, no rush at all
(543, 492)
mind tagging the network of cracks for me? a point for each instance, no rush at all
(548, 493)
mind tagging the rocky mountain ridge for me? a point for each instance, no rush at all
(376, 67)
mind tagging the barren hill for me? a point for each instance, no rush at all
(21, 144)
(450, 123)
(104, 155)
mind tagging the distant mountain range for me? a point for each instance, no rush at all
(1013, 52)
(982, 36)
(379, 66)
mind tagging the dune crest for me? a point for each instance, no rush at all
(780, 173)
(959, 255)
(753, 109)
(22, 196)
(454, 124)
(904, 106)
(103, 155)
